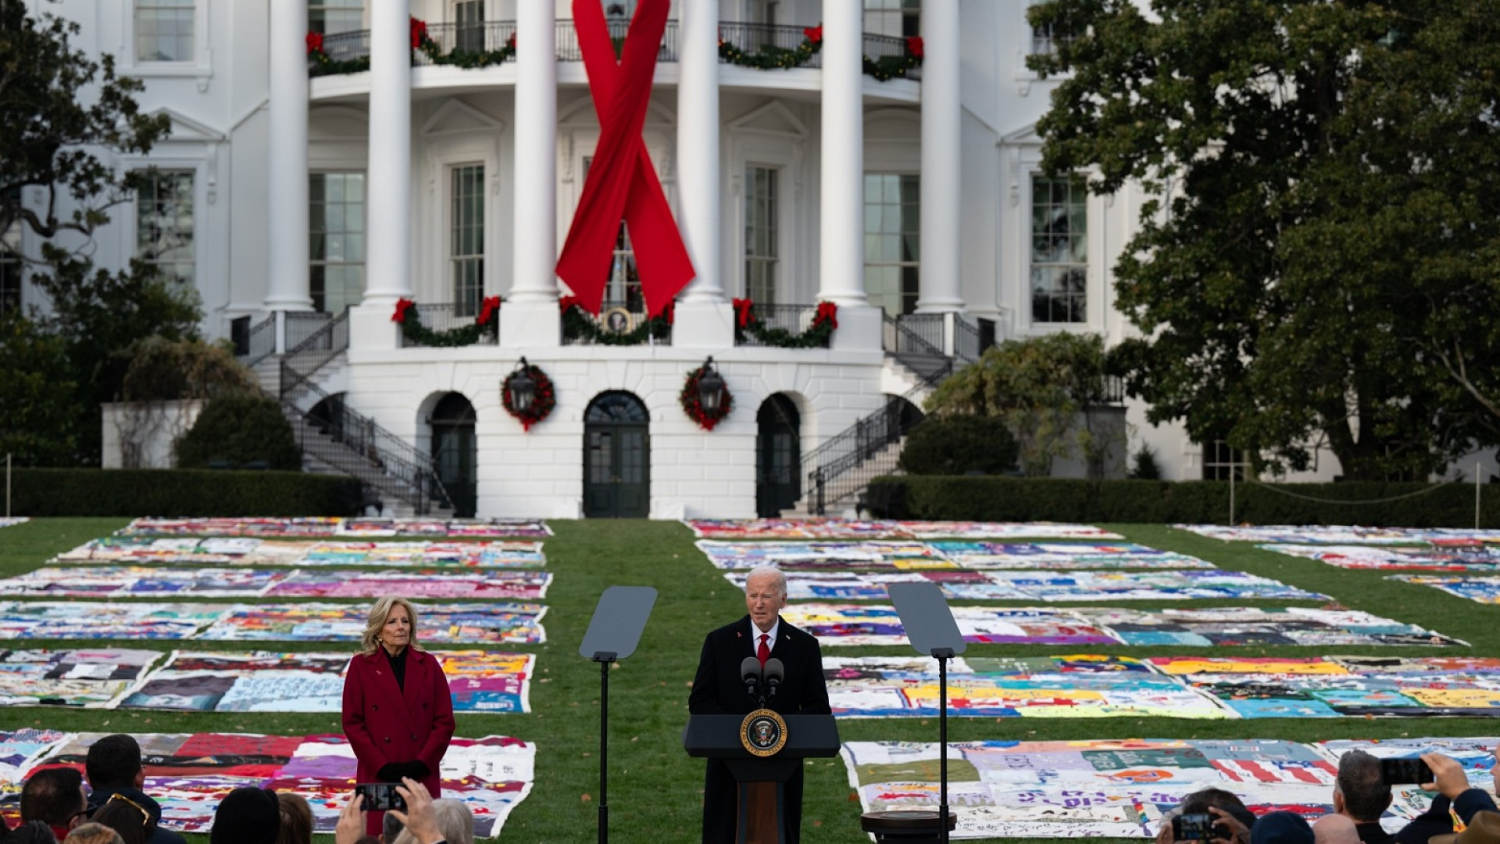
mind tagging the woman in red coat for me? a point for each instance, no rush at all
(398, 712)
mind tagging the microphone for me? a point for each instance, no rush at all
(750, 674)
(774, 672)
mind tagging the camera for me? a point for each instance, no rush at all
(1196, 826)
(1405, 770)
(380, 796)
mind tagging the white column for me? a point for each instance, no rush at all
(388, 175)
(941, 151)
(841, 226)
(704, 317)
(529, 316)
(286, 155)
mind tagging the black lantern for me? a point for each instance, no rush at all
(522, 387)
(710, 388)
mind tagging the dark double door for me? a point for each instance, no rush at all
(778, 457)
(616, 458)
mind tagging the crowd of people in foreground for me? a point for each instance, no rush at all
(1459, 814)
(57, 808)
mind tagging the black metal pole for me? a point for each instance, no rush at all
(603, 751)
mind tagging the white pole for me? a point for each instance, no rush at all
(7, 486)
(1476, 494)
(1231, 492)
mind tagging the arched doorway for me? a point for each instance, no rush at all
(453, 451)
(778, 456)
(616, 457)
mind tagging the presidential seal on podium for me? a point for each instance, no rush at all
(763, 733)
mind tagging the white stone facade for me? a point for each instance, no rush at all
(249, 125)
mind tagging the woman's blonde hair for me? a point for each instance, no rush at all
(93, 833)
(378, 614)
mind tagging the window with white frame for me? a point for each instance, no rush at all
(760, 234)
(623, 287)
(893, 17)
(10, 268)
(164, 30)
(468, 25)
(1220, 461)
(1059, 249)
(892, 247)
(164, 224)
(466, 239)
(334, 16)
(336, 245)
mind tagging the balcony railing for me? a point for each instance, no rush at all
(793, 319)
(618, 324)
(351, 50)
(443, 317)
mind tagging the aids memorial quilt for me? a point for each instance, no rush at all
(1485, 590)
(221, 681)
(1480, 559)
(838, 624)
(12, 521)
(1116, 586)
(142, 582)
(887, 529)
(467, 623)
(1072, 789)
(523, 585)
(93, 620)
(977, 554)
(243, 550)
(190, 773)
(324, 526)
(875, 624)
(21, 750)
(1345, 534)
(1334, 686)
(1257, 626)
(87, 677)
(862, 586)
(824, 556)
(1073, 686)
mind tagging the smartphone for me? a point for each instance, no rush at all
(1405, 770)
(380, 796)
(1195, 826)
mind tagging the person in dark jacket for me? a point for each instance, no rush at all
(113, 766)
(1452, 786)
(1362, 795)
(719, 689)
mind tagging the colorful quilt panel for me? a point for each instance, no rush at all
(244, 550)
(470, 623)
(521, 585)
(886, 529)
(142, 582)
(1380, 557)
(87, 677)
(1484, 590)
(315, 526)
(121, 620)
(1345, 534)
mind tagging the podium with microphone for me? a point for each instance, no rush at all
(762, 749)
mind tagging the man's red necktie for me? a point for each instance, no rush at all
(763, 653)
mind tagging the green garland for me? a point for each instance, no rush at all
(889, 67)
(469, 59)
(816, 336)
(578, 326)
(420, 335)
(770, 57)
(324, 66)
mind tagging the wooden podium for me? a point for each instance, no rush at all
(761, 779)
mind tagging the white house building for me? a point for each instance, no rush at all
(300, 182)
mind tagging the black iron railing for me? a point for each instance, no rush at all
(309, 330)
(569, 51)
(260, 341)
(444, 316)
(619, 323)
(968, 344)
(793, 319)
(754, 37)
(475, 38)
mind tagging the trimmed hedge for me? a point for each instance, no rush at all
(1057, 499)
(180, 492)
(959, 445)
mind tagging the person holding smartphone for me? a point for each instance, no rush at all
(398, 711)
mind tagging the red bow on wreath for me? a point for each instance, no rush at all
(418, 32)
(487, 310)
(314, 42)
(567, 302)
(914, 45)
(827, 312)
(813, 33)
(742, 312)
(402, 306)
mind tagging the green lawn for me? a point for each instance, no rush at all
(655, 790)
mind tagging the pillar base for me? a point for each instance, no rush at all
(370, 325)
(705, 324)
(530, 324)
(860, 328)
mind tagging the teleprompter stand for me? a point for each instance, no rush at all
(931, 630)
(613, 634)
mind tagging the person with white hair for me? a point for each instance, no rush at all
(718, 688)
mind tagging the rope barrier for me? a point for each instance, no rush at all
(1386, 500)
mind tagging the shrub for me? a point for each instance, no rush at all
(1145, 468)
(181, 492)
(240, 430)
(959, 445)
(163, 369)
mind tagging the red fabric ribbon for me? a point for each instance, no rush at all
(622, 182)
(914, 45)
(827, 312)
(487, 310)
(567, 302)
(402, 306)
(742, 312)
(314, 42)
(418, 32)
(813, 33)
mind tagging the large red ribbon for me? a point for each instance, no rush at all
(621, 182)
